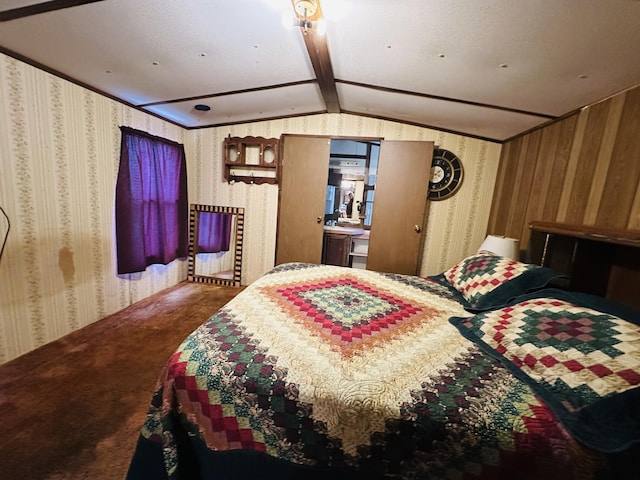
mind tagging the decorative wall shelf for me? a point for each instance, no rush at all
(252, 160)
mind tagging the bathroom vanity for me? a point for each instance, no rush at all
(345, 246)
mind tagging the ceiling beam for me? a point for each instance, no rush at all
(43, 7)
(231, 92)
(321, 61)
(318, 51)
(446, 99)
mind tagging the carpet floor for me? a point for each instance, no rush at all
(72, 409)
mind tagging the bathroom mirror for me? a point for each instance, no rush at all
(215, 244)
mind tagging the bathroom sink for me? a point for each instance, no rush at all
(344, 230)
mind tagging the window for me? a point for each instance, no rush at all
(152, 215)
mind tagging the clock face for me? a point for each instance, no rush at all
(446, 174)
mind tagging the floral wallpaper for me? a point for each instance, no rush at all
(59, 154)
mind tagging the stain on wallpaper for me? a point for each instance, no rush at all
(65, 262)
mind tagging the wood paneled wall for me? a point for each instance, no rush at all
(581, 170)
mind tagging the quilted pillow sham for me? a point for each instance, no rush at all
(577, 354)
(486, 280)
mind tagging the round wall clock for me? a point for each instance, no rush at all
(446, 174)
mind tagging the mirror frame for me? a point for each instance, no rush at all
(193, 234)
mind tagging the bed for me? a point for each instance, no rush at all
(482, 372)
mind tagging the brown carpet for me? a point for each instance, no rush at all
(73, 408)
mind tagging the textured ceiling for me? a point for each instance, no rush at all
(492, 69)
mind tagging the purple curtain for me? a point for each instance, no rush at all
(152, 215)
(214, 232)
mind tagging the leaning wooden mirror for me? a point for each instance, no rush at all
(215, 244)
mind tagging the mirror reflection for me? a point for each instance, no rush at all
(215, 244)
(351, 182)
(212, 249)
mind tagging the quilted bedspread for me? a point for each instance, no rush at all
(358, 371)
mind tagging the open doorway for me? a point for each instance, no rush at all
(351, 182)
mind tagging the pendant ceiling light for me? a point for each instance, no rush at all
(305, 8)
(307, 16)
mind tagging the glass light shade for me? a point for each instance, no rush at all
(503, 246)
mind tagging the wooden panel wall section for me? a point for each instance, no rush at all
(583, 169)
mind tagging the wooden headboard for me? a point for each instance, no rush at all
(599, 261)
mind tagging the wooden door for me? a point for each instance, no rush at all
(400, 206)
(304, 169)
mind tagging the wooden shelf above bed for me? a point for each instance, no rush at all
(599, 261)
(608, 235)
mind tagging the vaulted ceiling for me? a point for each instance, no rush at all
(490, 69)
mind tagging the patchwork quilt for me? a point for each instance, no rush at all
(354, 374)
(583, 362)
